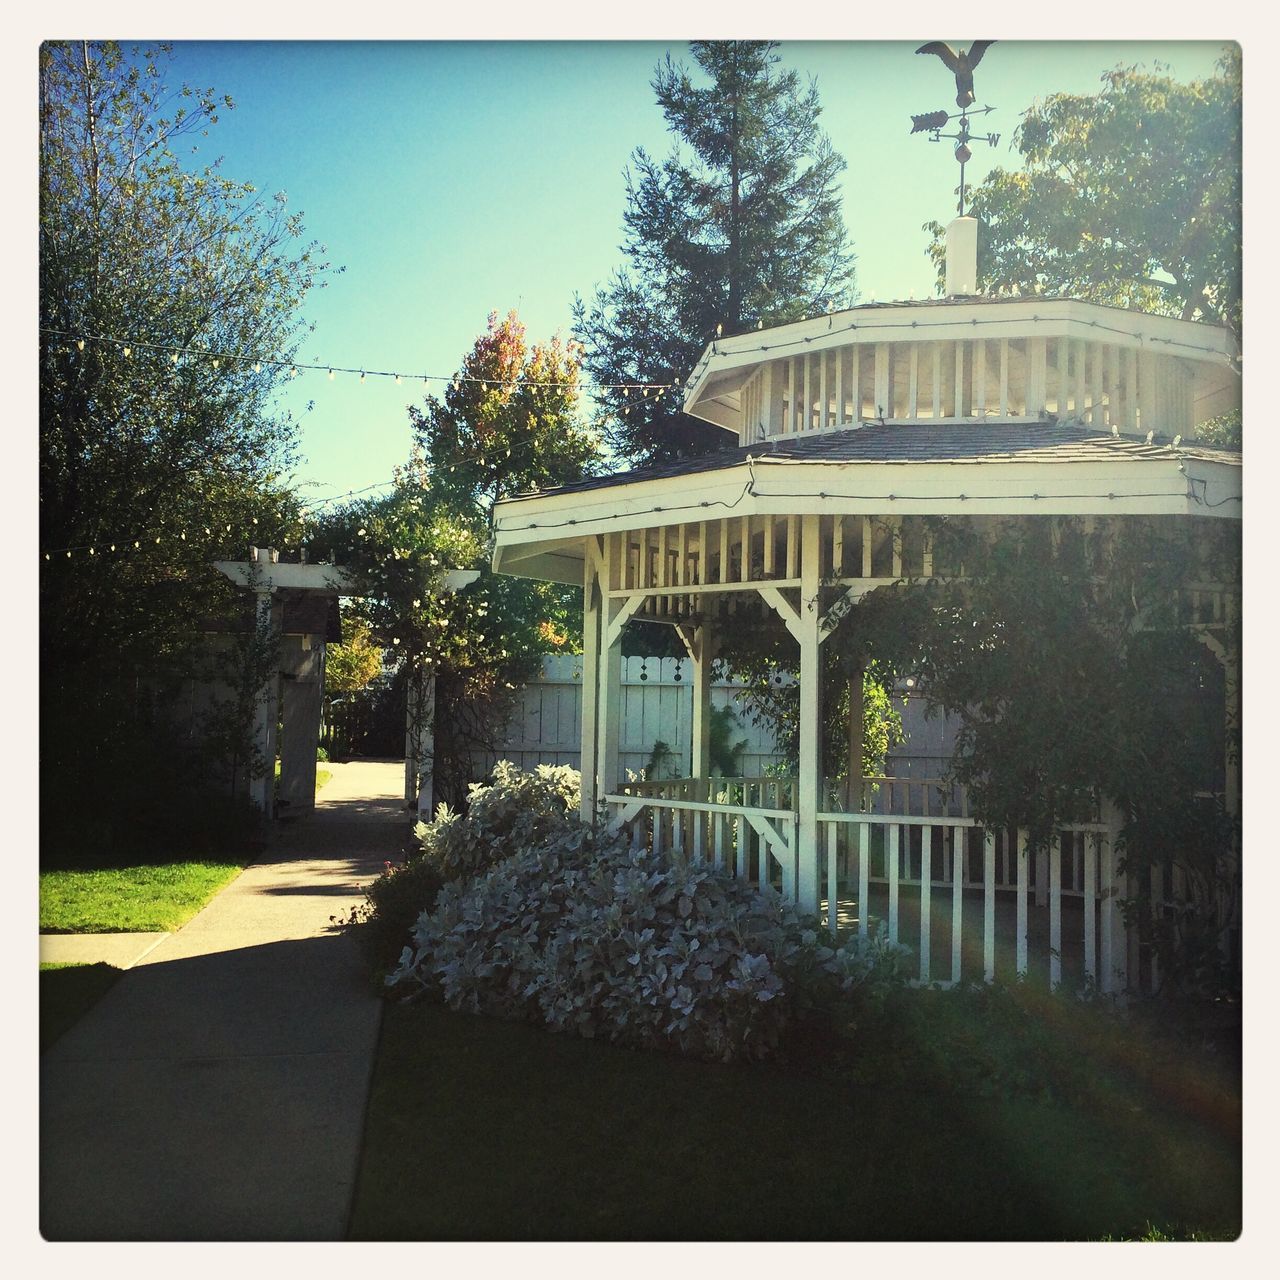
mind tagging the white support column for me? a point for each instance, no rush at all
(609, 698)
(592, 619)
(926, 899)
(700, 645)
(809, 782)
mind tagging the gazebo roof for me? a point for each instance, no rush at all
(988, 442)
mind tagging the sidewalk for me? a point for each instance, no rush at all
(217, 1092)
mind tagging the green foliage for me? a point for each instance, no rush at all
(478, 441)
(149, 469)
(392, 903)
(349, 666)
(758, 649)
(725, 754)
(510, 813)
(601, 940)
(740, 224)
(1066, 652)
(509, 422)
(1129, 197)
(661, 758)
(513, 811)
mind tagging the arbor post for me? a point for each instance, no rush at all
(262, 785)
(419, 741)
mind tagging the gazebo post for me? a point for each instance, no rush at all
(609, 710)
(701, 648)
(809, 781)
(591, 629)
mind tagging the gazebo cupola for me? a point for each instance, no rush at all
(968, 360)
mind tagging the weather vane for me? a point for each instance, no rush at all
(933, 122)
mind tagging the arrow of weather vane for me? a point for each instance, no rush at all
(961, 63)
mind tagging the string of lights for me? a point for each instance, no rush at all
(749, 488)
(128, 346)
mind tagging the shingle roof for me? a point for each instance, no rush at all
(961, 443)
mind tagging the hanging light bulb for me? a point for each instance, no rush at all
(215, 362)
(257, 366)
(361, 375)
(46, 555)
(173, 359)
(330, 375)
(719, 330)
(79, 344)
(136, 544)
(113, 546)
(68, 555)
(128, 351)
(183, 535)
(397, 379)
(91, 551)
(293, 372)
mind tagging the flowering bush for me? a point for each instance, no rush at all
(515, 811)
(603, 940)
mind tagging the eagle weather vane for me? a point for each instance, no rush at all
(961, 64)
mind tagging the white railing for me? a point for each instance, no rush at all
(888, 867)
(744, 824)
(972, 903)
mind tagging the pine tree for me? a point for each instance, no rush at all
(739, 225)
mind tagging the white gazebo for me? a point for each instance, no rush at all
(852, 429)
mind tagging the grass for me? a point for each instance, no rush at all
(67, 993)
(155, 893)
(492, 1130)
(322, 775)
(132, 899)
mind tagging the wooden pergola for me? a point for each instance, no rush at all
(853, 430)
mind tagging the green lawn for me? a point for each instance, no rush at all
(492, 1130)
(67, 993)
(135, 899)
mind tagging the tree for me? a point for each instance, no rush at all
(1071, 660)
(509, 421)
(169, 297)
(351, 665)
(1129, 197)
(740, 225)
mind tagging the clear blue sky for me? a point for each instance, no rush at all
(452, 179)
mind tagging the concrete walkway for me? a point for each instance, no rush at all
(217, 1092)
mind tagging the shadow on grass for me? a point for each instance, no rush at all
(480, 1129)
(67, 993)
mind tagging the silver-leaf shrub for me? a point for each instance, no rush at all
(612, 942)
(515, 810)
